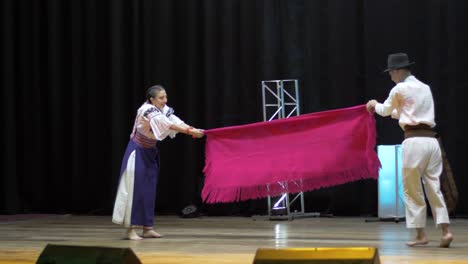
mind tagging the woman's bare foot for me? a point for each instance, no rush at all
(150, 233)
(418, 242)
(132, 235)
(446, 240)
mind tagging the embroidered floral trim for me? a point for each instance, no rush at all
(150, 110)
(170, 111)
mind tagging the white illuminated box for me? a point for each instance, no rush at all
(391, 198)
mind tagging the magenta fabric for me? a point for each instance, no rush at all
(291, 155)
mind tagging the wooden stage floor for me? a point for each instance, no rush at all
(225, 239)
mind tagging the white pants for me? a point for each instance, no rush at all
(422, 159)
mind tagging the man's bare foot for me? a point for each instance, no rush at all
(150, 233)
(418, 242)
(446, 240)
(132, 235)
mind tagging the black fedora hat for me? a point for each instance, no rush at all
(398, 61)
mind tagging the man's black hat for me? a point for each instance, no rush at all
(398, 61)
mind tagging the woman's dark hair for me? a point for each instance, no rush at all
(153, 91)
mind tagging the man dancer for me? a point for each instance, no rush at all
(410, 101)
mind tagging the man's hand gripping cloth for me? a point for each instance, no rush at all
(290, 155)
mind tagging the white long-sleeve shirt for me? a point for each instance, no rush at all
(159, 122)
(410, 102)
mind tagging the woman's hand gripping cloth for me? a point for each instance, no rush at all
(292, 155)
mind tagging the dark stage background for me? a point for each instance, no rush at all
(74, 73)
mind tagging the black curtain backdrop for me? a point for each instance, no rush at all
(75, 72)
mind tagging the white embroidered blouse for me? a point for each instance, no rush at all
(155, 123)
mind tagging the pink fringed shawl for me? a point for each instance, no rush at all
(301, 153)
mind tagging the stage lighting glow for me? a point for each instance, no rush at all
(391, 199)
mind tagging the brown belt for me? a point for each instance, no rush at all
(417, 127)
(144, 141)
(419, 130)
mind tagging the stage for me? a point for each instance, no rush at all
(211, 239)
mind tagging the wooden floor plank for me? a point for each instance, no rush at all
(227, 239)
